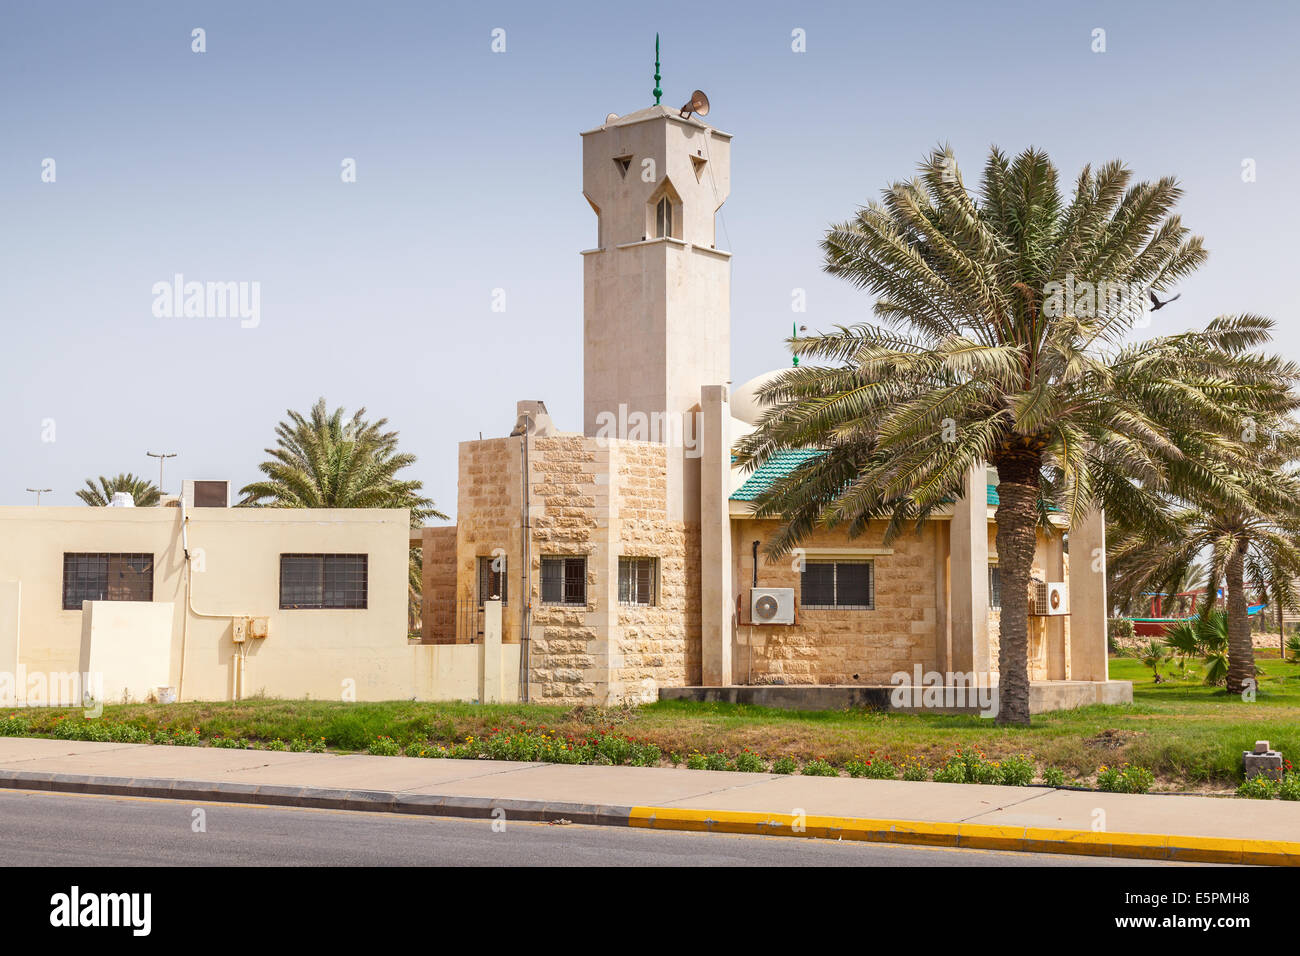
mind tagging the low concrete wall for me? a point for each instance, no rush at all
(126, 649)
(456, 672)
(1043, 696)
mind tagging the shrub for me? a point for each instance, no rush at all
(716, 761)
(302, 745)
(749, 762)
(819, 768)
(697, 761)
(872, 769)
(14, 725)
(276, 744)
(179, 738)
(984, 771)
(229, 743)
(645, 755)
(784, 765)
(384, 747)
(1289, 788)
(1053, 777)
(131, 734)
(1017, 771)
(914, 769)
(1124, 779)
(1258, 787)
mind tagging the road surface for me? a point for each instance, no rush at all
(39, 828)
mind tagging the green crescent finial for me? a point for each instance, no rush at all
(794, 331)
(658, 92)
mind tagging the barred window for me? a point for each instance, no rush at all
(995, 586)
(106, 577)
(838, 584)
(636, 580)
(491, 579)
(564, 580)
(323, 581)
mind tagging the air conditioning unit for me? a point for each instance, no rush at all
(1051, 599)
(771, 605)
(205, 494)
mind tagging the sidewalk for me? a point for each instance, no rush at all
(1183, 828)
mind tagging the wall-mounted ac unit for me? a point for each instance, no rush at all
(205, 494)
(1051, 599)
(771, 605)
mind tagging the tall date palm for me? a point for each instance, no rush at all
(996, 346)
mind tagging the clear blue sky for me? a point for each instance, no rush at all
(225, 166)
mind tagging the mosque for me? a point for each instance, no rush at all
(627, 557)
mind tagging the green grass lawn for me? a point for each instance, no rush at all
(1189, 735)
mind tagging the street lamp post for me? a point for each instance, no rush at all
(38, 492)
(162, 457)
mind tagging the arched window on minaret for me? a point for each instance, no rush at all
(665, 213)
(663, 218)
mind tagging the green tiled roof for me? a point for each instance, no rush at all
(778, 466)
(783, 463)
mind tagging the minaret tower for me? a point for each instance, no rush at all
(656, 289)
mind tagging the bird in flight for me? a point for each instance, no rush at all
(1156, 304)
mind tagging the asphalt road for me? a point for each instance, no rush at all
(74, 830)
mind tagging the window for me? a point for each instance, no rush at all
(664, 218)
(106, 577)
(317, 581)
(491, 583)
(839, 584)
(995, 586)
(636, 580)
(564, 580)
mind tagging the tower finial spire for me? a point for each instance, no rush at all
(794, 333)
(658, 92)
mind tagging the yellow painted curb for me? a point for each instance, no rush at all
(1143, 846)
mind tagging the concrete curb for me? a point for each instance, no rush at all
(1144, 846)
(374, 801)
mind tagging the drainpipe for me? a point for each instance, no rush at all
(188, 610)
(527, 565)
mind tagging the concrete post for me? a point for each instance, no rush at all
(489, 665)
(943, 619)
(1088, 599)
(969, 564)
(715, 536)
(1054, 566)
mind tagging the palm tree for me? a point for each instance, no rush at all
(1254, 534)
(329, 461)
(1182, 640)
(1153, 655)
(985, 358)
(143, 492)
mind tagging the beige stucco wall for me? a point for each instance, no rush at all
(308, 652)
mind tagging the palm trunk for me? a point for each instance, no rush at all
(1017, 518)
(1241, 647)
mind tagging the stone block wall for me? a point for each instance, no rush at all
(843, 646)
(488, 517)
(657, 646)
(438, 585)
(568, 508)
